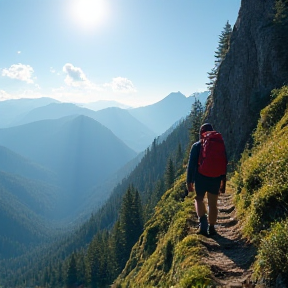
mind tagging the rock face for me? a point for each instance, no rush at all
(256, 63)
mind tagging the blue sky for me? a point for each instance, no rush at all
(132, 51)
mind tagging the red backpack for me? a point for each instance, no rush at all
(212, 160)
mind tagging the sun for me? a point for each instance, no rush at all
(89, 14)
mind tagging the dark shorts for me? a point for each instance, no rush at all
(205, 184)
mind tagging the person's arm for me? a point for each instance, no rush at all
(190, 186)
(192, 166)
(223, 184)
(223, 180)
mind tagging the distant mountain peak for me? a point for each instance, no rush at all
(177, 94)
(174, 96)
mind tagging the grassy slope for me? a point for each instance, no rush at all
(167, 255)
(261, 183)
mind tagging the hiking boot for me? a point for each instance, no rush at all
(212, 230)
(203, 226)
(202, 232)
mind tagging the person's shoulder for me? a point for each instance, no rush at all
(196, 144)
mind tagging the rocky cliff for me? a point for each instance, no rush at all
(256, 63)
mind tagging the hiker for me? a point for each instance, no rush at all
(212, 164)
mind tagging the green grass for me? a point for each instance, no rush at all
(272, 259)
(169, 255)
(166, 255)
(261, 184)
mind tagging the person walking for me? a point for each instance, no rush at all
(206, 172)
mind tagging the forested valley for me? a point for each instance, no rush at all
(96, 252)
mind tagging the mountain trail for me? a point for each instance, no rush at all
(227, 253)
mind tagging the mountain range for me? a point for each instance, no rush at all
(59, 161)
(137, 127)
(126, 127)
(13, 110)
(79, 150)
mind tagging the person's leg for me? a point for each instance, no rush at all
(201, 213)
(200, 206)
(213, 210)
(200, 189)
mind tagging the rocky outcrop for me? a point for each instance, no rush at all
(256, 63)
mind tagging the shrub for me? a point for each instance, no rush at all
(272, 259)
(271, 114)
(196, 276)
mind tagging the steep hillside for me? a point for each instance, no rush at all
(169, 253)
(23, 206)
(81, 151)
(16, 164)
(250, 248)
(256, 63)
(37, 196)
(262, 191)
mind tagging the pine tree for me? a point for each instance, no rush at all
(137, 217)
(127, 221)
(71, 278)
(179, 155)
(196, 115)
(81, 268)
(212, 77)
(117, 251)
(97, 258)
(169, 174)
(220, 53)
(224, 44)
(131, 221)
(60, 274)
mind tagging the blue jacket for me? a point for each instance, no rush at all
(192, 167)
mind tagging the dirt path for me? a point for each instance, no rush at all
(228, 255)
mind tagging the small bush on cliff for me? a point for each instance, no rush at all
(271, 115)
(281, 11)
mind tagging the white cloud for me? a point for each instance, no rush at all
(75, 76)
(18, 52)
(121, 85)
(19, 71)
(4, 95)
